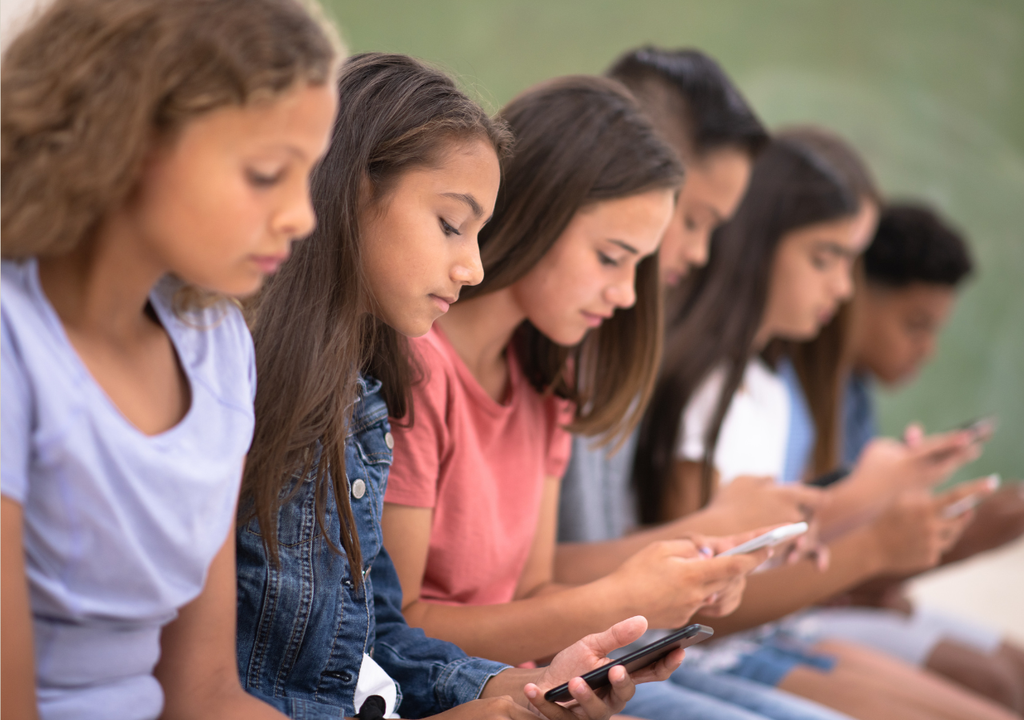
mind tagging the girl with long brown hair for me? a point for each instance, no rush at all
(410, 179)
(778, 271)
(562, 334)
(155, 164)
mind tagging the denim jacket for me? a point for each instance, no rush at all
(303, 627)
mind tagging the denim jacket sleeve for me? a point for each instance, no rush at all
(434, 675)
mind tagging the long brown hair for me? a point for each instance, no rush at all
(580, 140)
(792, 186)
(89, 87)
(312, 338)
(822, 364)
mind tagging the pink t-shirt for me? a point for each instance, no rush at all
(481, 466)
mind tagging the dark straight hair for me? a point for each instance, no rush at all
(580, 140)
(311, 332)
(792, 186)
(691, 100)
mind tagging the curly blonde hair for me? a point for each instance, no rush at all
(89, 87)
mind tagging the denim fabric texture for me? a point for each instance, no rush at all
(303, 626)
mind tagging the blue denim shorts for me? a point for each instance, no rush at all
(776, 657)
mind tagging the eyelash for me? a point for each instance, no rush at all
(448, 229)
(263, 181)
(820, 263)
(605, 260)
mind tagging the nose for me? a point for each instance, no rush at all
(622, 294)
(468, 268)
(843, 285)
(296, 219)
(698, 247)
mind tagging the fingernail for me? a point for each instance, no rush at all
(706, 551)
(993, 481)
(531, 692)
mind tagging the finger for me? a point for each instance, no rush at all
(622, 691)
(546, 708)
(659, 670)
(913, 434)
(593, 707)
(619, 634)
(681, 547)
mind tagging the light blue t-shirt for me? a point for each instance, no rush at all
(802, 433)
(120, 528)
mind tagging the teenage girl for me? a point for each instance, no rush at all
(695, 105)
(564, 330)
(913, 269)
(409, 181)
(780, 269)
(155, 163)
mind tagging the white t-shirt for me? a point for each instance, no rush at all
(753, 437)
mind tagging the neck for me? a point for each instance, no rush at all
(761, 339)
(102, 286)
(480, 329)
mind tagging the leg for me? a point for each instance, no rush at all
(757, 697)
(995, 676)
(665, 701)
(871, 686)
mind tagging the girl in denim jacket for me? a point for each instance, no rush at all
(410, 179)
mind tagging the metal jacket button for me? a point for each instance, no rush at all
(389, 440)
(358, 488)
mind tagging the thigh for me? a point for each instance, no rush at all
(666, 701)
(869, 685)
(991, 675)
(763, 699)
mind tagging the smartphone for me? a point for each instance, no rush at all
(982, 428)
(647, 655)
(769, 539)
(829, 478)
(970, 502)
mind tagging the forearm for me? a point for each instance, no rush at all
(778, 592)
(555, 620)
(578, 563)
(510, 682)
(851, 504)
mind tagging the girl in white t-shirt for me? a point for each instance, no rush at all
(155, 162)
(779, 271)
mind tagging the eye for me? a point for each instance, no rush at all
(821, 262)
(263, 180)
(606, 260)
(689, 223)
(447, 228)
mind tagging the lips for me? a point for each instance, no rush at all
(443, 302)
(593, 319)
(268, 264)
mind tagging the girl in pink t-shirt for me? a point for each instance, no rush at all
(563, 334)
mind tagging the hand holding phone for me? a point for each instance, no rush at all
(964, 504)
(638, 660)
(769, 539)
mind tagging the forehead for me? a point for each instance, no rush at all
(718, 179)
(929, 298)
(638, 220)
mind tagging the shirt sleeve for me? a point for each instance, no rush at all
(422, 446)
(560, 413)
(433, 675)
(697, 417)
(15, 418)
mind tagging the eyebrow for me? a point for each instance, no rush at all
(836, 249)
(625, 246)
(469, 200)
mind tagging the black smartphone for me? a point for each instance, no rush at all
(829, 478)
(647, 655)
(982, 428)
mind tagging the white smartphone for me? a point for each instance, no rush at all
(971, 501)
(769, 539)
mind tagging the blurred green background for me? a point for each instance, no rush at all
(931, 91)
